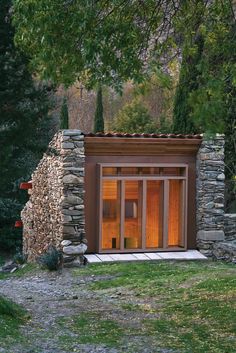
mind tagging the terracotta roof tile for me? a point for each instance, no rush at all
(118, 134)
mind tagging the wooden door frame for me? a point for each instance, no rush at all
(144, 180)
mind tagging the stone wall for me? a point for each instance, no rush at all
(225, 251)
(72, 203)
(230, 226)
(210, 194)
(54, 214)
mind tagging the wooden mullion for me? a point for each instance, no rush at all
(186, 213)
(183, 215)
(122, 215)
(161, 215)
(100, 207)
(144, 209)
(119, 205)
(142, 177)
(166, 214)
(181, 165)
(186, 208)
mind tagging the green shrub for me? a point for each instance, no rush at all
(11, 237)
(134, 118)
(19, 257)
(52, 259)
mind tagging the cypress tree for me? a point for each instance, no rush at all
(64, 116)
(99, 121)
(24, 128)
(207, 90)
(188, 82)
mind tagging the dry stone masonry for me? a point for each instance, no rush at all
(226, 250)
(210, 194)
(54, 214)
(216, 230)
(230, 226)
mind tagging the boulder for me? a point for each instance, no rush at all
(68, 145)
(72, 179)
(66, 242)
(75, 250)
(72, 200)
(73, 132)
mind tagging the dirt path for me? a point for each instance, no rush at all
(51, 298)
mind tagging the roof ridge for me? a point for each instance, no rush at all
(143, 135)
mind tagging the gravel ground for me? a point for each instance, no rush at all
(51, 296)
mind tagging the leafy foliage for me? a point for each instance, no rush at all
(157, 93)
(9, 211)
(205, 97)
(51, 259)
(24, 128)
(134, 118)
(64, 116)
(216, 70)
(99, 121)
(99, 41)
(188, 82)
(165, 125)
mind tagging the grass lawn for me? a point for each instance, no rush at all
(12, 316)
(29, 269)
(151, 307)
(188, 307)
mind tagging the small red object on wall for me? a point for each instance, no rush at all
(18, 224)
(26, 186)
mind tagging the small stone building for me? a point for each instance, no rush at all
(119, 193)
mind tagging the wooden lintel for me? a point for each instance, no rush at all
(140, 146)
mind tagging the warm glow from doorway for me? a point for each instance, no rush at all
(134, 211)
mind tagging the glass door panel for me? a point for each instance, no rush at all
(133, 215)
(176, 214)
(142, 213)
(154, 214)
(111, 214)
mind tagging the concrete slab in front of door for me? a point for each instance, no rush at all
(102, 258)
(123, 257)
(140, 257)
(152, 255)
(185, 255)
(93, 258)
